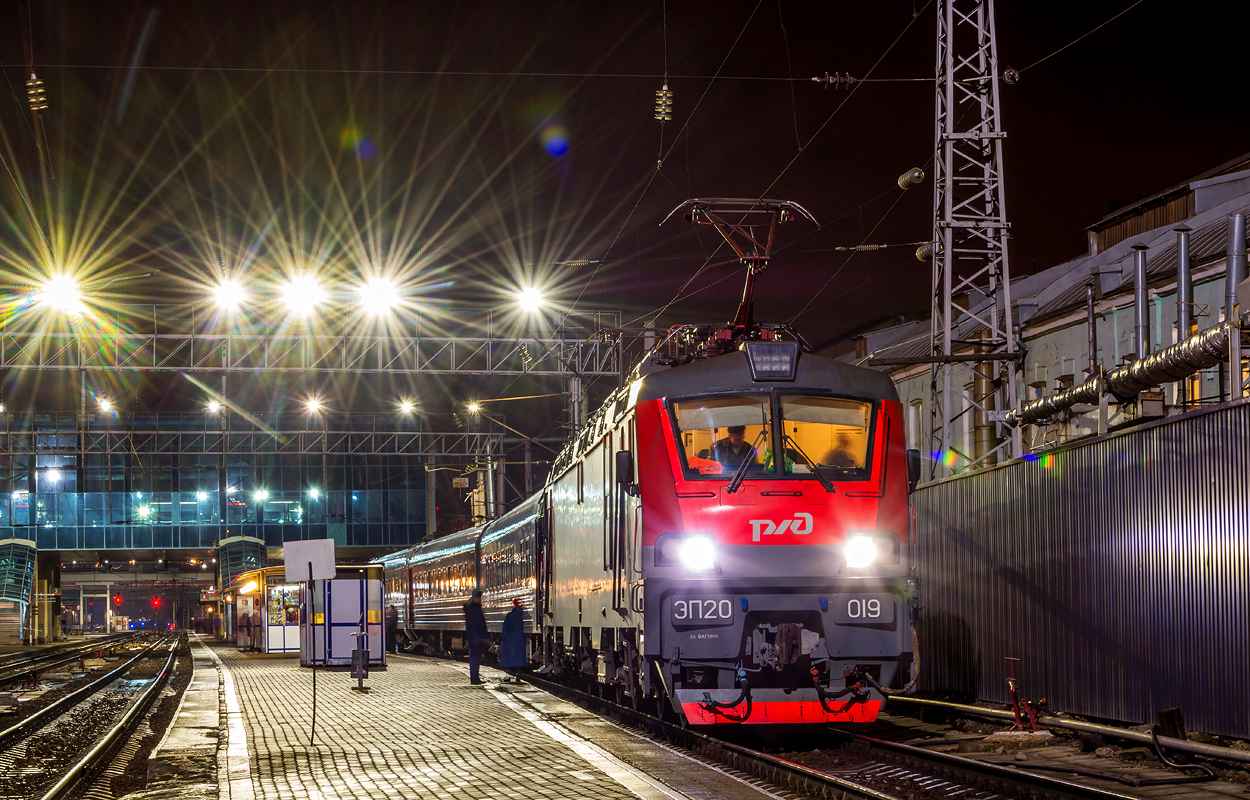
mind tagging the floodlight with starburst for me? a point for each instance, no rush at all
(378, 296)
(407, 406)
(530, 299)
(61, 293)
(229, 295)
(213, 406)
(313, 405)
(302, 294)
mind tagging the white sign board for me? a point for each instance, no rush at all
(299, 555)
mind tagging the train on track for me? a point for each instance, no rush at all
(728, 539)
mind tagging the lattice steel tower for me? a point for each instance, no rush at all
(973, 338)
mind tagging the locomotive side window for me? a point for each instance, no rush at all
(717, 434)
(829, 432)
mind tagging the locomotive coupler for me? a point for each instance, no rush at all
(1019, 704)
(717, 707)
(856, 687)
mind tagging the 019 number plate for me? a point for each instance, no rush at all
(702, 611)
(863, 609)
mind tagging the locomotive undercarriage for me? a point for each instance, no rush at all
(613, 668)
(794, 662)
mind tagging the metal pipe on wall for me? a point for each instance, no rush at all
(1141, 307)
(1198, 352)
(1235, 272)
(983, 394)
(1184, 285)
(1184, 296)
(1091, 331)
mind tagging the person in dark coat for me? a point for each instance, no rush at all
(475, 634)
(733, 449)
(392, 628)
(512, 651)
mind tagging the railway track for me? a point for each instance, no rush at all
(873, 770)
(50, 753)
(21, 666)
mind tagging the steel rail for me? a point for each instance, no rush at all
(40, 717)
(116, 735)
(762, 765)
(1049, 721)
(976, 769)
(23, 661)
(803, 779)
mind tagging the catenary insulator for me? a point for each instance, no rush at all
(663, 103)
(836, 80)
(35, 94)
(926, 251)
(910, 178)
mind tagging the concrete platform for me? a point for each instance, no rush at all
(421, 731)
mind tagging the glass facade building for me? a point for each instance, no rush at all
(17, 579)
(192, 480)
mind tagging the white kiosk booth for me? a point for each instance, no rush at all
(266, 611)
(345, 613)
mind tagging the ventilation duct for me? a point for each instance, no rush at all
(1198, 352)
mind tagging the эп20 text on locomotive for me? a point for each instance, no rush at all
(728, 538)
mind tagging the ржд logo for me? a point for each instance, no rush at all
(801, 524)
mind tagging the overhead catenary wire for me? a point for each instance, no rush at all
(685, 126)
(845, 100)
(450, 73)
(802, 149)
(794, 108)
(1082, 36)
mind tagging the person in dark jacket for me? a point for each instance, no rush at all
(475, 634)
(512, 651)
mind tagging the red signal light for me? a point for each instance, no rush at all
(117, 600)
(156, 602)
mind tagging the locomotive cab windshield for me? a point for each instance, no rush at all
(828, 435)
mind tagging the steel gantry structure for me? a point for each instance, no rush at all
(973, 340)
(190, 338)
(103, 479)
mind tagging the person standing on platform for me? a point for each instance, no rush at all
(475, 634)
(392, 627)
(512, 641)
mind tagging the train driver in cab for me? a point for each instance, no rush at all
(732, 450)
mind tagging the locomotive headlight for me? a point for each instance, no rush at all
(697, 553)
(860, 550)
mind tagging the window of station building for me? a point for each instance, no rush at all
(830, 432)
(914, 412)
(716, 435)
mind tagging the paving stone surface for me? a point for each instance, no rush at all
(421, 731)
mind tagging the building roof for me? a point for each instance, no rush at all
(1061, 289)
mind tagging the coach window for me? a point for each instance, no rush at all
(828, 433)
(717, 434)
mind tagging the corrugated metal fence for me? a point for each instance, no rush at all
(1117, 569)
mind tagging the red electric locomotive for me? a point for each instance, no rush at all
(728, 538)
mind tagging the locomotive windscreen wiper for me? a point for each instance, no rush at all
(741, 472)
(811, 465)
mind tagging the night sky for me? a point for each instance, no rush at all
(465, 148)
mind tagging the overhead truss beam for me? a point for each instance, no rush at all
(287, 353)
